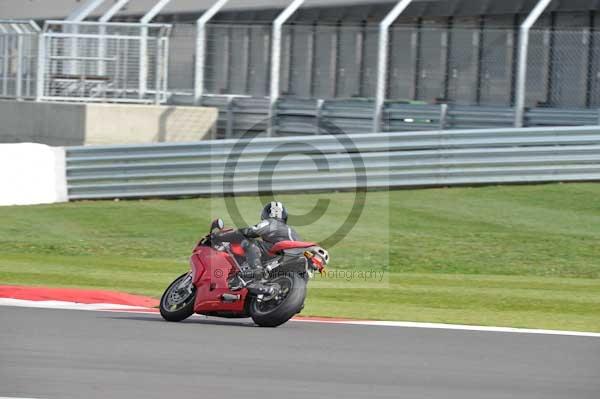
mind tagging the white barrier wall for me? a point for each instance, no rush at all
(32, 174)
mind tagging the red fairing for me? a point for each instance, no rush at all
(211, 270)
(237, 249)
(283, 245)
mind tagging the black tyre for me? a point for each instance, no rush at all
(275, 312)
(177, 303)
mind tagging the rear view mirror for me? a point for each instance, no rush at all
(217, 224)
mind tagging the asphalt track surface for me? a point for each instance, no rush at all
(81, 354)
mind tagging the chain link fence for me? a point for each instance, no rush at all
(433, 62)
(563, 69)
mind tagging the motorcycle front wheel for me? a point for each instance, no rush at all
(177, 303)
(289, 301)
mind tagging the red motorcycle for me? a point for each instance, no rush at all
(216, 265)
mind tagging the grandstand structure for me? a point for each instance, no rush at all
(437, 63)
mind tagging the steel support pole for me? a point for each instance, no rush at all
(146, 19)
(200, 67)
(158, 72)
(276, 58)
(19, 75)
(522, 61)
(107, 16)
(111, 12)
(382, 61)
(83, 11)
(5, 63)
(41, 67)
(165, 60)
(78, 15)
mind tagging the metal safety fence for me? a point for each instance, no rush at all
(18, 58)
(241, 114)
(335, 162)
(92, 61)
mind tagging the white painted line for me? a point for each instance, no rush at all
(67, 305)
(439, 326)
(110, 307)
(10, 397)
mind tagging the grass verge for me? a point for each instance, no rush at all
(524, 256)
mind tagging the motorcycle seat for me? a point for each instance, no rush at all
(283, 245)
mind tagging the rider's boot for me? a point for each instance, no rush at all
(258, 288)
(255, 273)
(251, 279)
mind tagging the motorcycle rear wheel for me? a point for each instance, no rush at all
(176, 305)
(274, 312)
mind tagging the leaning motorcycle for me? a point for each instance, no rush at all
(217, 263)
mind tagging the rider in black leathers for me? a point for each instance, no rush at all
(272, 229)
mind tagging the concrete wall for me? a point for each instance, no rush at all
(68, 124)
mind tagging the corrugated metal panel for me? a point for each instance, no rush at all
(350, 58)
(497, 57)
(433, 43)
(301, 116)
(260, 47)
(217, 55)
(325, 62)
(403, 62)
(302, 57)
(368, 77)
(240, 59)
(463, 62)
(182, 47)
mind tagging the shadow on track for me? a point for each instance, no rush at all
(192, 320)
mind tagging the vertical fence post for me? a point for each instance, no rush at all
(320, 104)
(522, 61)
(5, 42)
(41, 66)
(78, 15)
(382, 61)
(443, 116)
(146, 19)
(107, 16)
(276, 59)
(143, 66)
(230, 116)
(159, 71)
(19, 76)
(3, 36)
(200, 66)
(165, 61)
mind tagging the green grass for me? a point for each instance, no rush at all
(524, 256)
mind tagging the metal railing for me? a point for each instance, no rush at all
(239, 114)
(103, 61)
(18, 58)
(335, 162)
